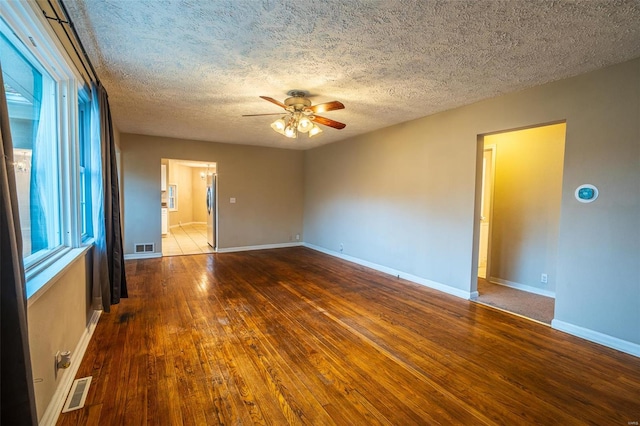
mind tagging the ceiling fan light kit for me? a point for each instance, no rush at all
(295, 123)
(300, 116)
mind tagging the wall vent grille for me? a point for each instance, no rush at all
(145, 248)
(77, 394)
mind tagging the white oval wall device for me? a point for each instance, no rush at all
(586, 193)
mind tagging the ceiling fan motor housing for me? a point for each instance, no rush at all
(297, 102)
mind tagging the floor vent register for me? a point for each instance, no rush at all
(77, 395)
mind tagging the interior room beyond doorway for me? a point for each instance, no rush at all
(188, 207)
(519, 219)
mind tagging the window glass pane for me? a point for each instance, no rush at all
(31, 99)
(85, 161)
(173, 197)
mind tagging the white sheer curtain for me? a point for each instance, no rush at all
(100, 267)
(44, 173)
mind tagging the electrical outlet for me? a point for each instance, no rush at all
(297, 237)
(341, 247)
(543, 278)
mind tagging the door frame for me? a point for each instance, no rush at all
(217, 183)
(492, 149)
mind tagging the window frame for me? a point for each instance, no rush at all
(85, 214)
(27, 29)
(172, 197)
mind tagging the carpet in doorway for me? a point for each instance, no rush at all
(520, 302)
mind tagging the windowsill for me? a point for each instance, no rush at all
(44, 280)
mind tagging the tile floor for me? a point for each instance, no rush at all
(186, 239)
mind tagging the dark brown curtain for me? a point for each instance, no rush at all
(17, 405)
(109, 283)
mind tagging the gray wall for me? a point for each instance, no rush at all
(406, 197)
(266, 182)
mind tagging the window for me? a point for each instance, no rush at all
(50, 128)
(84, 136)
(172, 197)
(33, 117)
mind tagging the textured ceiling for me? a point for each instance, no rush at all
(191, 68)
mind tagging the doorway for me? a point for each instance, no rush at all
(520, 190)
(189, 207)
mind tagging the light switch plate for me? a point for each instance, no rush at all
(232, 200)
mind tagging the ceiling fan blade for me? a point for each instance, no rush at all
(327, 106)
(329, 122)
(257, 115)
(273, 101)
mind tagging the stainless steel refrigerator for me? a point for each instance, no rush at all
(211, 210)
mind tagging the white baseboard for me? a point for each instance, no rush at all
(142, 256)
(50, 416)
(260, 247)
(523, 287)
(400, 274)
(597, 337)
(187, 223)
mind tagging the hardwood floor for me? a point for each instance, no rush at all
(292, 336)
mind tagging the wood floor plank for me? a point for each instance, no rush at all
(292, 352)
(311, 367)
(292, 336)
(376, 333)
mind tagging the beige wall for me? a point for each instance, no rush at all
(526, 205)
(199, 191)
(406, 197)
(180, 176)
(57, 321)
(266, 182)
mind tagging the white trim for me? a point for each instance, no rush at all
(400, 274)
(492, 189)
(260, 247)
(523, 287)
(44, 280)
(187, 223)
(27, 22)
(142, 256)
(29, 31)
(597, 337)
(50, 416)
(173, 207)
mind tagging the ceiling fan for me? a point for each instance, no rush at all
(300, 115)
